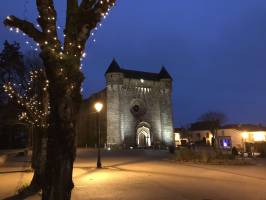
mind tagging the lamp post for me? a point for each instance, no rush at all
(98, 107)
(244, 138)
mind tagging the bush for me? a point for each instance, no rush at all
(184, 154)
(261, 148)
(202, 155)
(172, 149)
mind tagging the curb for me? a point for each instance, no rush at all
(4, 155)
(17, 171)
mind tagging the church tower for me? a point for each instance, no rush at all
(139, 107)
(166, 106)
(137, 110)
(114, 80)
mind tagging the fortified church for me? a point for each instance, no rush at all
(137, 110)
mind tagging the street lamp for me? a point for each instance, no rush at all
(245, 136)
(98, 107)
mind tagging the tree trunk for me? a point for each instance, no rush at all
(61, 149)
(62, 66)
(60, 158)
(39, 149)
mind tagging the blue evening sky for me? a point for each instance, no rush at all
(214, 49)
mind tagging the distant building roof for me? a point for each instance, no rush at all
(245, 127)
(114, 67)
(178, 130)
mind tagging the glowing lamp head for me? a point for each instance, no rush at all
(245, 135)
(98, 106)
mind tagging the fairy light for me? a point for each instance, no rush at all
(54, 48)
(34, 113)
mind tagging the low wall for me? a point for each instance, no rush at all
(5, 154)
(3, 159)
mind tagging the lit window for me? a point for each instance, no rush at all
(142, 80)
(177, 136)
(259, 136)
(225, 143)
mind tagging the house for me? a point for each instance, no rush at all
(241, 136)
(180, 137)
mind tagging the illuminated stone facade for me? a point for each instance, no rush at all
(138, 109)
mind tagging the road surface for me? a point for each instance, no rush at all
(149, 175)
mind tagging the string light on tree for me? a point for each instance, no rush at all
(34, 112)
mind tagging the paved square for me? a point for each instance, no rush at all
(150, 175)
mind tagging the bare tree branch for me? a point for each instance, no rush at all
(47, 15)
(71, 24)
(47, 20)
(72, 5)
(87, 4)
(26, 27)
(90, 14)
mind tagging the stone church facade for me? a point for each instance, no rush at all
(137, 110)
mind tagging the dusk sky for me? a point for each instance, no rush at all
(215, 51)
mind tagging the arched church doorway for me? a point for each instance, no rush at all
(143, 135)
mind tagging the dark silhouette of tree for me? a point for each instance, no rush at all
(34, 103)
(62, 66)
(12, 67)
(212, 116)
(26, 86)
(212, 121)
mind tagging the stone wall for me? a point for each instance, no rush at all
(113, 82)
(153, 96)
(166, 112)
(128, 102)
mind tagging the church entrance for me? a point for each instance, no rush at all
(143, 136)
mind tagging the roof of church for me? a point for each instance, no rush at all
(164, 74)
(114, 67)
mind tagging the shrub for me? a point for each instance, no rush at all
(202, 155)
(184, 154)
(23, 189)
(172, 149)
(261, 148)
